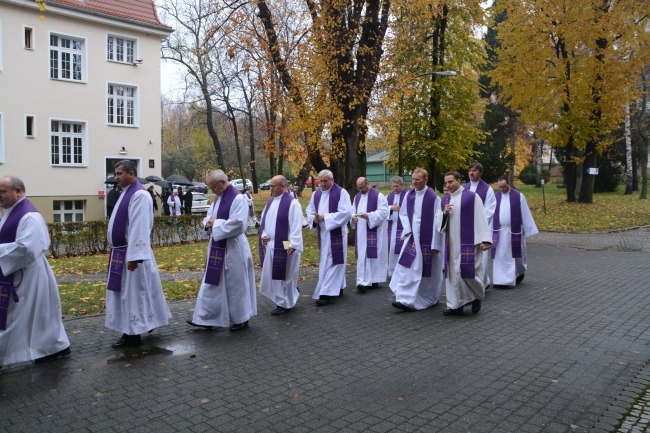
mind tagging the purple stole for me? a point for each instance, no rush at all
(172, 206)
(217, 253)
(279, 271)
(426, 232)
(481, 189)
(336, 235)
(117, 257)
(8, 235)
(467, 247)
(515, 223)
(371, 238)
(398, 233)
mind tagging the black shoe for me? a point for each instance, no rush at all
(239, 326)
(403, 307)
(322, 301)
(189, 322)
(341, 292)
(476, 306)
(519, 279)
(127, 340)
(52, 357)
(361, 289)
(453, 312)
(375, 285)
(279, 311)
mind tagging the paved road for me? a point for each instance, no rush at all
(560, 353)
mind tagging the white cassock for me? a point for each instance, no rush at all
(489, 206)
(393, 216)
(282, 292)
(174, 204)
(34, 326)
(331, 278)
(461, 291)
(505, 268)
(371, 271)
(408, 284)
(234, 300)
(140, 306)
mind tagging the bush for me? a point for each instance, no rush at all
(529, 175)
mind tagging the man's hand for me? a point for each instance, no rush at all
(132, 266)
(485, 246)
(209, 224)
(290, 251)
(395, 208)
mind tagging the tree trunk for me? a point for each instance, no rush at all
(587, 187)
(628, 154)
(570, 172)
(513, 149)
(538, 180)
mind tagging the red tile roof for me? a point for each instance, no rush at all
(140, 11)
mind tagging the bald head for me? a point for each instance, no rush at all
(278, 185)
(362, 185)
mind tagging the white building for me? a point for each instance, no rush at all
(79, 91)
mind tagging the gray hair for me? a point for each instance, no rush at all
(217, 175)
(127, 165)
(15, 183)
(326, 173)
(397, 179)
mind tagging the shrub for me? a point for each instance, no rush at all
(529, 175)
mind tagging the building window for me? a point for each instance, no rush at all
(66, 58)
(121, 105)
(28, 38)
(29, 126)
(68, 143)
(68, 210)
(120, 49)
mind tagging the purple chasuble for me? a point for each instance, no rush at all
(467, 247)
(8, 235)
(371, 238)
(481, 189)
(120, 219)
(516, 223)
(426, 231)
(217, 253)
(398, 233)
(336, 235)
(279, 271)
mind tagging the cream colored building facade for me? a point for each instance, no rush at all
(79, 91)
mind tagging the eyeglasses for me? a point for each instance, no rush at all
(273, 186)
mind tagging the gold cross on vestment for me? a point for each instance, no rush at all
(467, 253)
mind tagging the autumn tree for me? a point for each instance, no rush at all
(571, 65)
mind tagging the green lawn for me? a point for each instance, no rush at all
(609, 211)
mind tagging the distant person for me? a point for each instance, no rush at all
(370, 219)
(153, 198)
(111, 199)
(462, 217)
(512, 224)
(417, 278)
(174, 204)
(187, 201)
(227, 296)
(328, 213)
(395, 201)
(485, 192)
(135, 302)
(30, 307)
(181, 197)
(280, 246)
(253, 222)
(164, 198)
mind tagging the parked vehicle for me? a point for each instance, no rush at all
(266, 185)
(309, 182)
(199, 187)
(200, 203)
(239, 184)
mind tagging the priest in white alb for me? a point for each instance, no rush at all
(280, 246)
(477, 185)
(462, 217)
(371, 246)
(395, 201)
(513, 222)
(417, 278)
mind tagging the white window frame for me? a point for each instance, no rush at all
(113, 49)
(33, 125)
(115, 100)
(2, 137)
(0, 45)
(60, 135)
(32, 39)
(71, 52)
(61, 212)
